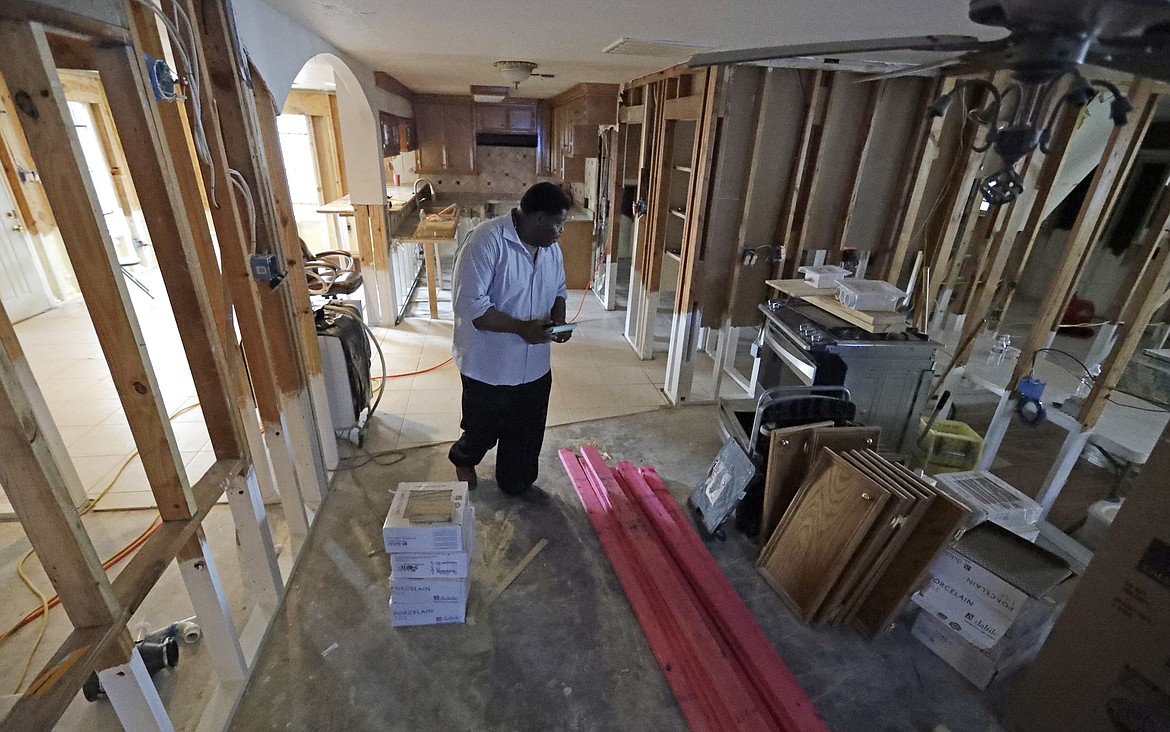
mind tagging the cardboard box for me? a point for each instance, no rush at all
(977, 665)
(440, 591)
(426, 614)
(990, 580)
(449, 565)
(400, 534)
(1106, 665)
(981, 666)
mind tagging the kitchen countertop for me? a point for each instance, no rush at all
(399, 197)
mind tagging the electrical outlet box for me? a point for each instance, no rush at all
(265, 267)
(1031, 387)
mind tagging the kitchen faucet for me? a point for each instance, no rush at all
(430, 185)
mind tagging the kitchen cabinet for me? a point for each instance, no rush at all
(398, 134)
(576, 115)
(513, 117)
(446, 134)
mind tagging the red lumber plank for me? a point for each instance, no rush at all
(738, 707)
(779, 689)
(662, 644)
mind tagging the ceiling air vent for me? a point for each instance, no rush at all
(644, 47)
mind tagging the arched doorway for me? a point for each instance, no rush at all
(330, 142)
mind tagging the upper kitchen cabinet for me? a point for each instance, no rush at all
(576, 114)
(511, 117)
(398, 134)
(446, 134)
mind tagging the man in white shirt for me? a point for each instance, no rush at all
(509, 288)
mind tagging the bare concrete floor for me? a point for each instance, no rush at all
(560, 649)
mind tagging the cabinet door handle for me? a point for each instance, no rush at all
(444, 157)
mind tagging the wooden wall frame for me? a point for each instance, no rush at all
(158, 155)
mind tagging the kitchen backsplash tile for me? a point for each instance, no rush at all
(505, 172)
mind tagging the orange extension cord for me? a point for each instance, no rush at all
(56, 599)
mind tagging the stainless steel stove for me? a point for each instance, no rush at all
(888, 374)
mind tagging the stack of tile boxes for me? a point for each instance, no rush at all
(430, 562)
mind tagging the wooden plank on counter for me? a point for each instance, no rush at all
(868, 320)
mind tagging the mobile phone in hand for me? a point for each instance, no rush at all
(562, 328)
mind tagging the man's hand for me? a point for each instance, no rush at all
(560, 337)
(533, 331)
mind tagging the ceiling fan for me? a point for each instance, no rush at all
(1048, 41)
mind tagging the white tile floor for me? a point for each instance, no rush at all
(62, 349)
(595, 375)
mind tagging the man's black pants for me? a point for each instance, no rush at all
(512, 416)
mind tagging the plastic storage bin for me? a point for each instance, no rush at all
(873, 295)
(824, 277)
(950, 447)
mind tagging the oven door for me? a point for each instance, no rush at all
(787, 362)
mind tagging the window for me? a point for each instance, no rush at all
(296, 145)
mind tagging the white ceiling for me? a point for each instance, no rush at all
(444, 46)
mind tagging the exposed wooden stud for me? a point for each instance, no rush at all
(28, 68)
(642, 227)
(1145, 116)
(1138, 257)
(151, 165)
(244, 152)
(863, 147)
(88, 649)
(134, 696)
(908, 206)
(298, 293)
(647, 261)
(197, 567)
(1140, 309)
(685, 322)
(32, 477)
(1114, 164)
(794, 220)
(1041, 192)
(261, 573)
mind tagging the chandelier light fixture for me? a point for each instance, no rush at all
(515, 71)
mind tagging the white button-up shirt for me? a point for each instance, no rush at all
(494, 269)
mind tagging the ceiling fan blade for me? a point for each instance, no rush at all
(834, 48)
(1153, 66)
(968, 63)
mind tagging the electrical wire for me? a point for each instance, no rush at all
(588, 287)
(1092, 379)
(1079, 362)
(249, 203)
(381, 356)
(411, 373)
(186, 52)
(1134, 406)
(49, 603)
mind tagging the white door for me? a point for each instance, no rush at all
(22, 285)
